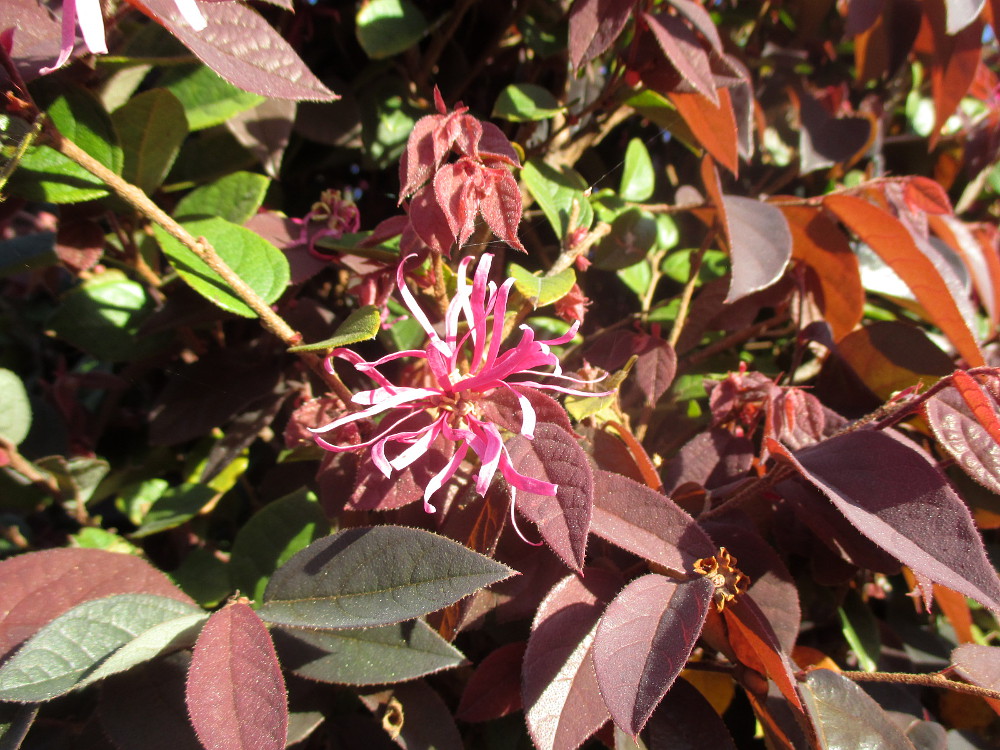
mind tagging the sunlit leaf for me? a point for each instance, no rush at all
(542, 290)
(526, 102)
(361, 325)
(15, 408)
(845, 716)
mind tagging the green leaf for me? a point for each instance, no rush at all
(375, 576)
(638, 177)
(860, 630)
(259, 263)
(367, 656)
(28, 252)
(46, 175)
(637, 277)
(152, 127)
(136, 499)
(77, 477)
(64, 653)
(556, 190)
(526, 102)
(388, 27)
(271, 537)
(542, 290)
(94, 537)
(15, 408)
(207, 99)
(361, 325)
(102, 317)
(213, 154)
(235, 198)
(203, 577)
(633, 234)
(174, 507)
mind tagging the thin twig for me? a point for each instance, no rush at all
(24, 467)
(935, 680)
(688, 293)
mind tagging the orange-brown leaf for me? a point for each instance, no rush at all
(714, 127)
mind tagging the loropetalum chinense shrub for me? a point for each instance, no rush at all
(448, 374)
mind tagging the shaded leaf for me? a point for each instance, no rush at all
(556, 190)
(685, 720)
(259, 263)
(526, 102)
(845, 716)
(388, 27)
(271, 537)
(593, 27)
(760, 245)
(825, 140)
(417, 711)
(15, 408)
(361, 325)
(152, 126)
(40, 586)
(633, 234)
(895, 245)
(374, 576)
(235, 198)
(208, 100)
(366, 656)
(174, 507)
(143, 709)
(235, 691)
(894, 495)
(562, 702)
(646, 523)
(644, 640)
(67, 651)
(241, 46)
(542, 290)
(265, 131)
(564, 520)
(494, 689)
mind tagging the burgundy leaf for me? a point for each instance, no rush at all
(40, 586)
(711, 459)
(429, 221)
(685, 720)
(700, 19)
(760, 244)
(501, 206)
(502, 407)
(376, 491)
(235, 690)
(564, 520)
(964, 437)
(562, 703)
(242, 48)
(978, 664)
(685, 53)
(646, 523)
(79, 244)
(644, 640)
(457, 188)
(418, 161)
(495, 146)
(265, 131)
(494, 689)
(825, 140)
(422, 719)
(594, 25)
(846, 716)
(894, 495)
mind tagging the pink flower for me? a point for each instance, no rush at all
(466, 367)
(88, 14)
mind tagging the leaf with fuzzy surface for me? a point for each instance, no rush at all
(894, 495)
(235, 690)
(644, 640)
(493, 690)
(562, 702)
(964, 420)
(374, 576)
(594, 25)
(564, 520)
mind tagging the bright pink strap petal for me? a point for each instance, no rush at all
(438, 480)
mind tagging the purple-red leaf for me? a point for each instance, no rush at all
(977, 664)
(757, 646)
(594, 25)
(562, 703)
(760, 244)
(418, 161)
(685, 720)
(235, 691)
(966, 426)
(502, 407)
(643, 642)
(646, 523)
(429, 221)
(494, 689)
(40, 586)
(564, 520)
(242, 48)
(414, 714)
(682, 48)
(501, 206)
(894, 495)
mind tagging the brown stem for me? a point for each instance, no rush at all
(136, 198)
(682, 313)
(24, 467)
(935, 680)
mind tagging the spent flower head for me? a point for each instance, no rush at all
(466, 367)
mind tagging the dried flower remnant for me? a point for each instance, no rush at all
(729, 581)
(466, 367)
(333, 215)
(87, 13)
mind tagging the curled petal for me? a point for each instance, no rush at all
(523, 482)
(489, 447)
(419, 447)
(438, 480)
